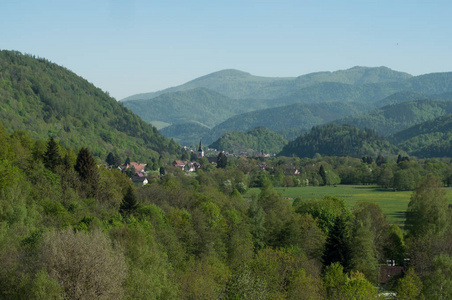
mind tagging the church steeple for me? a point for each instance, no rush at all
(200, 151)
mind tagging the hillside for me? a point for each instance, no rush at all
(395, 117)
(46, 100)
(241, 85)
(336, 140)
(432, 138)
(300, 116)
(255, 140)
(186, 133)
(199, 105)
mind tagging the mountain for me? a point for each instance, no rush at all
(47, 100)
(199, 105)
(255, 140)
(395, 117)
(301, 116)
(403, 96)
(186, 133)
(241, 85)
(339, 140)
(432, 138)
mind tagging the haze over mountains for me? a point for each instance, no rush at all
(377, 98)
(254, 114)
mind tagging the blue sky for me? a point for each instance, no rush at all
(129, 47)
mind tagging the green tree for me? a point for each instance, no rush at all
(410, 286)
(222, 160)
(438, 285)
(322, 174)
(427, 209)
(129, 203)
(337, 248)
(52, 157)
(113, 159)
(86, 167)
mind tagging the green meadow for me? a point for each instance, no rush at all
(392, 203)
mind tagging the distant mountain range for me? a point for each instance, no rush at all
(232, 100)
(360, 111)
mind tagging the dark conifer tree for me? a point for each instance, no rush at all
(322, 174)
(111, 160)
(129, 202)
(222, 160)
(52, 156)
(86, 168)
(380, 160)
(337, 248)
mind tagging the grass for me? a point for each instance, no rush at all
(392, 203)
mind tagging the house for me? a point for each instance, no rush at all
(290, 170)
(138, 167)
(139, 179)
(179, 164)
(389, 272)
(192, 166)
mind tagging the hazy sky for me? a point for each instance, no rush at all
(129, 47)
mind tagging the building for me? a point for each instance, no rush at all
(200, 151)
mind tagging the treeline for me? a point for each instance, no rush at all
(392, 172)
(253, 141)
(71, 229)
(335, 140)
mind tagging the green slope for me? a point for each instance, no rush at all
(336, 140)
(241, 85)
(300, 116)
(432, 138)
(45, 100)
(392, 118)
(255, 140)
(186, 134)
(199, 105)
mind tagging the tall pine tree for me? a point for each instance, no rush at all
(129, 202)
(52, 156)
(87, 169)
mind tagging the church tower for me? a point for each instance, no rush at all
(200, 151)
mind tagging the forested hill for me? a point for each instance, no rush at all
(187, 133)
(46, 100)
(301, 116)
(241, 85)
(199, 105)
(336, 140)
(255, 140)
(432, 138)
(395, 117)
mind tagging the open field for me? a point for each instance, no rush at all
(393, 204)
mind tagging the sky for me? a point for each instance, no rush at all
(130, 47)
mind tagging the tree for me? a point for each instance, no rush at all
(52, 156)
(129, 203)
(113, 159)
(322, 174)
(85, 265)
(257, 222)
(337, 248)
(222, 160)
(363, 252)
(410, 286)
(438, 284)
(86, 167)
(427, 209)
